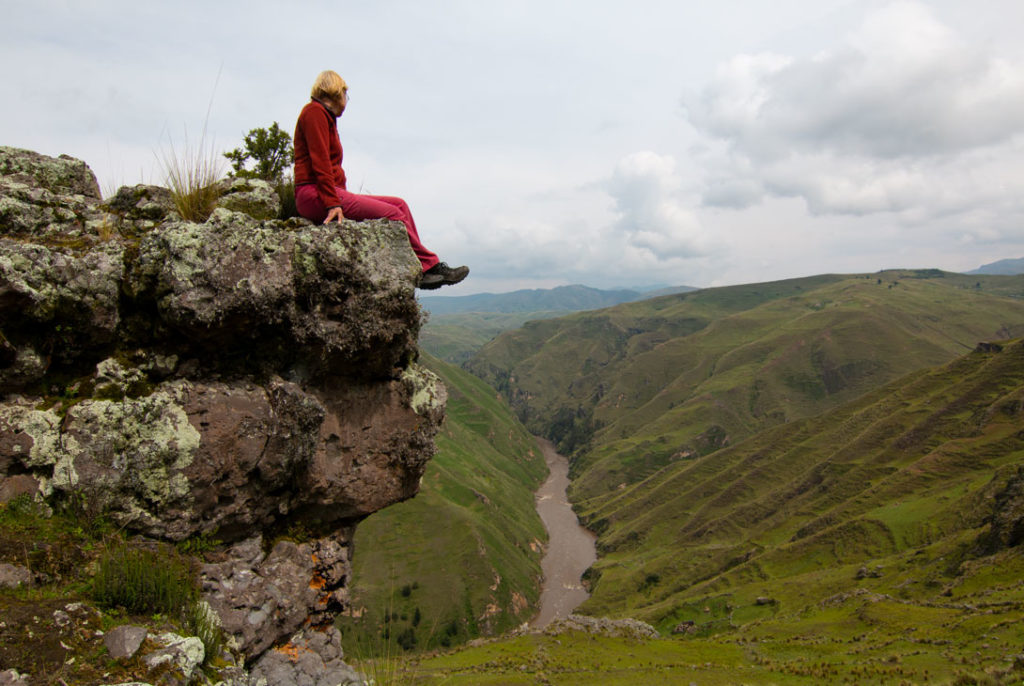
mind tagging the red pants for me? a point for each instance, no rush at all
(359, 207)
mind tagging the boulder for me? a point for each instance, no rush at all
(13, 576)
(142, 203)
(254, 197)
(11, 677)
(309, 658)
(124, 641)
(262, 597)
(232, 379)
(177, 659)
(62, 175)
(602, 626)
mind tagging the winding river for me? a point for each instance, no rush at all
(571, 548)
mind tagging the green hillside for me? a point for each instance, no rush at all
(561, 298)
(630, 389)
(462, 558)
(905, 475)
(877, 543)
(456, 337)
(458, 326)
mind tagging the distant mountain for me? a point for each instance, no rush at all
(563, 298)
(1006, 267)
(925, 468)
(459, 325)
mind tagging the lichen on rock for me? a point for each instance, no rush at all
(253, 197)
(63, 174)
(428, 393)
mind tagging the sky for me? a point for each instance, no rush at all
(608, 143)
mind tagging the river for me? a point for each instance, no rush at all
(571, 548)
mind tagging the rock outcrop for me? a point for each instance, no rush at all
(231, 378)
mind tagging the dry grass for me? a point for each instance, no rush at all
(192, 173)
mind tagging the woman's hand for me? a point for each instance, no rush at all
(334, 215)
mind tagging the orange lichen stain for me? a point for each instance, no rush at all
(317, 583)
(291, 651)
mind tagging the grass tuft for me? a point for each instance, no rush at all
(192, 174)
(143, 582)
(202, 622)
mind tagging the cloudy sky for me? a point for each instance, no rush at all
(600, 142)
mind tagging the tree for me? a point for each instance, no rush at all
(270, 150)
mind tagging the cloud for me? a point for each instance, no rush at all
(903, 112)
(644, 187)
(637, 232)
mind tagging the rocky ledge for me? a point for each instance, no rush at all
(226, 379)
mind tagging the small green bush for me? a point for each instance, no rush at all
(16, 511)
(143, 582)
(270, 150)
(407, 639)
(286, 192)
(271, 154)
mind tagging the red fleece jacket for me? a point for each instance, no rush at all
(318, 152)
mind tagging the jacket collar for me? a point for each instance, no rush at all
(326, 108)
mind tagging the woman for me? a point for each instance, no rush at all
(320, 193)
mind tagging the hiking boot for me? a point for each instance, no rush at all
(442, 275)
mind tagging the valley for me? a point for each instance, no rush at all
(810, 481)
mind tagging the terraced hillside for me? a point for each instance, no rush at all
(630, 389)
(906, 491)
(462, 558)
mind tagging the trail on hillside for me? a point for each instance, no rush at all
(571, 548)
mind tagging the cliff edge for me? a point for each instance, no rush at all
(227, 379)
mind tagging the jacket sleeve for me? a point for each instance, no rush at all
(317, 131)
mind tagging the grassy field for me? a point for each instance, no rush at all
(875, 631)
(456, 337)
(462, 558)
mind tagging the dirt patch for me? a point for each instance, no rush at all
(50, 561)
(59, 641)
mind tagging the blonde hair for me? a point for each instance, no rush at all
(329, 85)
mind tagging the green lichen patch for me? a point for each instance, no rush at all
(428, 393)
(63, 174)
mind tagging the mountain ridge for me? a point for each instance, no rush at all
(569, 298)
(1006, 267)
